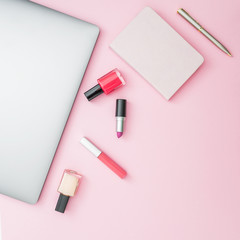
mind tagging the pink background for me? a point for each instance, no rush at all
(182, 156)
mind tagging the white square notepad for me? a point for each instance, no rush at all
(156, 51)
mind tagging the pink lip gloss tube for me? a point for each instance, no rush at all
(104, 158)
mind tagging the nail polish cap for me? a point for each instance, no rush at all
(121, 107)
(62, 203)
(93, 92)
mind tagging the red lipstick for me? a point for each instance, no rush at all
(104, 158)
(106, 84)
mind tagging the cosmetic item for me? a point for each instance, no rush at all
(157, 52)
(106, 84)
(104, 158)
(120, 116)
(194, 23)
(67, 188)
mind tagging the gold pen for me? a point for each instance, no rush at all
(185, 15)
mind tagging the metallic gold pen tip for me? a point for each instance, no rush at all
(229, 54)
(179, 10)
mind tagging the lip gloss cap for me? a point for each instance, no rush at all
(121, 107)
(91, 147)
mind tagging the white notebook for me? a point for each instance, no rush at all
(157, 52)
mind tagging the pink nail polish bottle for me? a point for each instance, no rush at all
(67, 188)
(106, 84)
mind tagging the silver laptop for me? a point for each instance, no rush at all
(43, 57)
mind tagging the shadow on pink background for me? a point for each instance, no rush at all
(182, 156)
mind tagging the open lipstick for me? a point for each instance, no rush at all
(120, 116)
(104, 158)
(106, 84)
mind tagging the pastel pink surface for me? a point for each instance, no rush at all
(182, 156)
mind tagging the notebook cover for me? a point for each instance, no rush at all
(157, 52)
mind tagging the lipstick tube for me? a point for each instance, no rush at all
(106, 84)
(120, 116)
(104, 158)
(67, 188)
